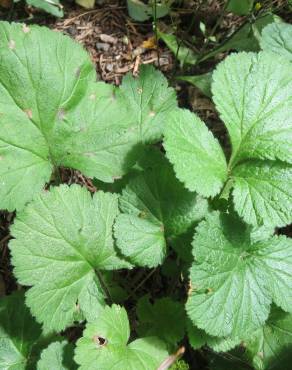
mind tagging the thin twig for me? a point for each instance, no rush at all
(142, 282)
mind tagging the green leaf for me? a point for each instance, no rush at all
(199, 338)
(141, 12)
(156, 208)
(34, 87)
(18, 333)
(277, 38)
(148, 102)
(240, 7)
(202, 82)
(87, 4)
(197, 157)
(104, 345)
(245, 38)
(54, 114)
(184, 54)
(165, 319)
(61, 239)
(270, 346)
(233, 281)
(252, 93)
(180, 365)
(58, 356)
(262, 192)
(50, 6)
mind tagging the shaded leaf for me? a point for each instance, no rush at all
(270, 346)
(57, 356)
(202, 82)
(240, 7)
(53, 7)
(184, 54)
(18, 333)
(156, 208)
(165, 319)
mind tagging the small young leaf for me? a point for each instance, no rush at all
(184, 54)
(18, 333)
(104, 345)
(199, 338)
(50, 6)
(156, 207)
(234, 281)
(270, 346)
(202, 82)
(240, 7)
(61, 239)
(277, 38)
(164, 319)
(58, 356)
(197, 157)
(245, 38)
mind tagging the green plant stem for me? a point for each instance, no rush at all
(154, 11)
(217, 24)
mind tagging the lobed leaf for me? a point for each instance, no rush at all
(57, 356)
(156, 208)
(104, 345)
(277, 39)
(252, 93)
(165, 319)
(18, 333)
(270, 346)
(52, 113)
(61, 240)
(235, 281)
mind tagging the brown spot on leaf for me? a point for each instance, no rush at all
(99, 341)
(28, 113)
(11, 44)
(152, 114)
(92, 97)
(1, 158)
(140, 90)
(25, 28)
(89, 154)
(142, 214)
(78, 72)
(61, 114)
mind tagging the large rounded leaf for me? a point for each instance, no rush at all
(53, 113)
(61, 240)
(234, 281)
